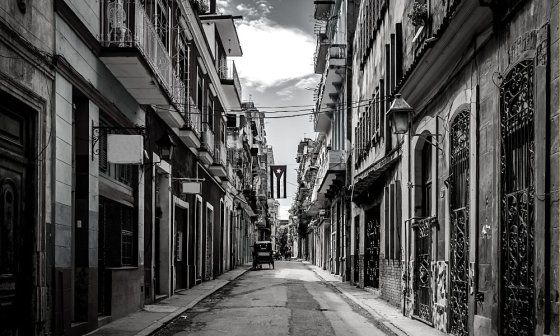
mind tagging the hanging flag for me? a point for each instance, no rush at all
(277, 174)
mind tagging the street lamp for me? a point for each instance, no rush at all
(399, 114)
(166, 145)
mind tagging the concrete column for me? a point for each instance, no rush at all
(165, 235)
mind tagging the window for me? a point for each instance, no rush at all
(199, 98)
(426, 210)
(118, 222)
(210, 110)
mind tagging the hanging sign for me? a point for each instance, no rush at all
(191, 187)
(125, 148)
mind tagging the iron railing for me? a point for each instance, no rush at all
(125, 24)
(193, 117)
(207, 138)
(220, 154)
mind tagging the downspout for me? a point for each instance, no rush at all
(407, 237)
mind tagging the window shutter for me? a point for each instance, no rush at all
(398, 217)
(387, 226)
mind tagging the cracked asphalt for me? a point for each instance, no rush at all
(289, 300)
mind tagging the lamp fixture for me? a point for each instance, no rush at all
(399, 114)
(166, 146)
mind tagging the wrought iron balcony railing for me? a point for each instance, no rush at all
(228, 71)
(220, 154)
(207, 142)
(193, 118)
(125, 24)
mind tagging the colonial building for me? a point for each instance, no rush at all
(114, 151)
(27, 143)
(452, 178)
(303, 215)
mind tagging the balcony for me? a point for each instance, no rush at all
(134, 52)
(218, 168)
(205, 153)
(190, 133)
(322, 9)
(332, 167)
(330, 86)
(320, 57)
(230, 82)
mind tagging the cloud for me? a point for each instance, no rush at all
(222, 5)
(246, 10)
(307, 83)
(273, 54)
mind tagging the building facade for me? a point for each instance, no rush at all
(452, 175)
(114, 145)
(27, 144)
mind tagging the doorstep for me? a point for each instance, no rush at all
(386, 315)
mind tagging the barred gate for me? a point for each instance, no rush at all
(517, 200)
(422, 269)
(459, 228)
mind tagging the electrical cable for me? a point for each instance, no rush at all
(312, 111)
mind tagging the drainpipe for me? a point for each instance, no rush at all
(407, 234)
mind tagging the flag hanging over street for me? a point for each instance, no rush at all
(278, 177)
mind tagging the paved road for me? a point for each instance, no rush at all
(290, 300)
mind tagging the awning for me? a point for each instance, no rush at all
(369, 176)
(245, 206)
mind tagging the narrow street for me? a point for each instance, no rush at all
(287, 300)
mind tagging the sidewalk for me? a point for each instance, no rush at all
(154, 316)
(387, 315)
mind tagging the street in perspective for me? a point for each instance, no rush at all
(279, 167)
(287, 300)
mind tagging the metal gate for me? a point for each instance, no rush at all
(422, 269)
(459, 210)
(517, 199)
(371, 261)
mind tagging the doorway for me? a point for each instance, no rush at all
(180, 233)
(371, 255)
(16, 222)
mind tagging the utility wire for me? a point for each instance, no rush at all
(307, 112)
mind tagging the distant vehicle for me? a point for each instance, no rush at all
(262, 254)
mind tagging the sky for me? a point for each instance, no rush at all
(276, 70)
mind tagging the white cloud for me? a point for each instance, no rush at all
(273, 54)
(222, 5)
(307, 83)
(286, 93)
(246, 10)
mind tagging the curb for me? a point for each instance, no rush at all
(158, 324)
(380, 321)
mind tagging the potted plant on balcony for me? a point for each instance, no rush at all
(419, 14)
(199, 6)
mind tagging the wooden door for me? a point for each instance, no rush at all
(16, 227)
